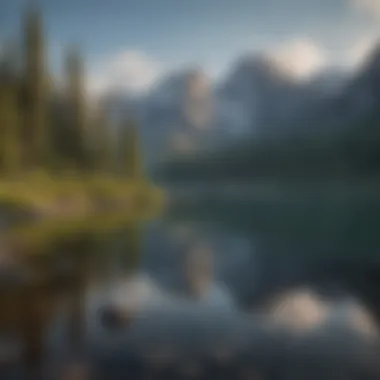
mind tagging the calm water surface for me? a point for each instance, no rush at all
(216, 292)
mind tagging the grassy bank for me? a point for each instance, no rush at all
(36, 197)
(38, 238)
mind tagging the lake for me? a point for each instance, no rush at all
(269, 290)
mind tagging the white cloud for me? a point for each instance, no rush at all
(301, 57)
(370, 7)
(359, 50)
(129, 70)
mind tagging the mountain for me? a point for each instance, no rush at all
(361, 97)
(177, 114)
(353, 100)
(327, 127)
(330, 81)
(260, 94)
(185, 113)
(243, 95)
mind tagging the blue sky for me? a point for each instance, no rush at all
(148, 37)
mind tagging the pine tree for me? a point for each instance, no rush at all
(76, 118)
(9, 110)
(34, 135)
(9, 133)
(102, 140)
(129, 150)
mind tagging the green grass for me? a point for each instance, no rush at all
(55, 197)
(46, 209)
(37, 238)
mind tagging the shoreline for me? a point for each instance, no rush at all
(30, 201)
(274, 191)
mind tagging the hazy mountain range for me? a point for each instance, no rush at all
(186, 112)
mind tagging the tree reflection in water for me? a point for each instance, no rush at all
(53, 288)
(48, 310)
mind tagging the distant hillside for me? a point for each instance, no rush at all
(335, 134)
(186, 113)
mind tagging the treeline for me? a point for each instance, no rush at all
(349, 152)
(43, 126)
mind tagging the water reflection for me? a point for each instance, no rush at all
(200, 278)
(304, 309)
(44, 298)
(295, 323)
(196, 287)
(199, 303)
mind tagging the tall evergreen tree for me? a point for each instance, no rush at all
(103, 152)
(9, 133)
(9, 110)
(76, 120)
(34, 135)
(129, 150)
